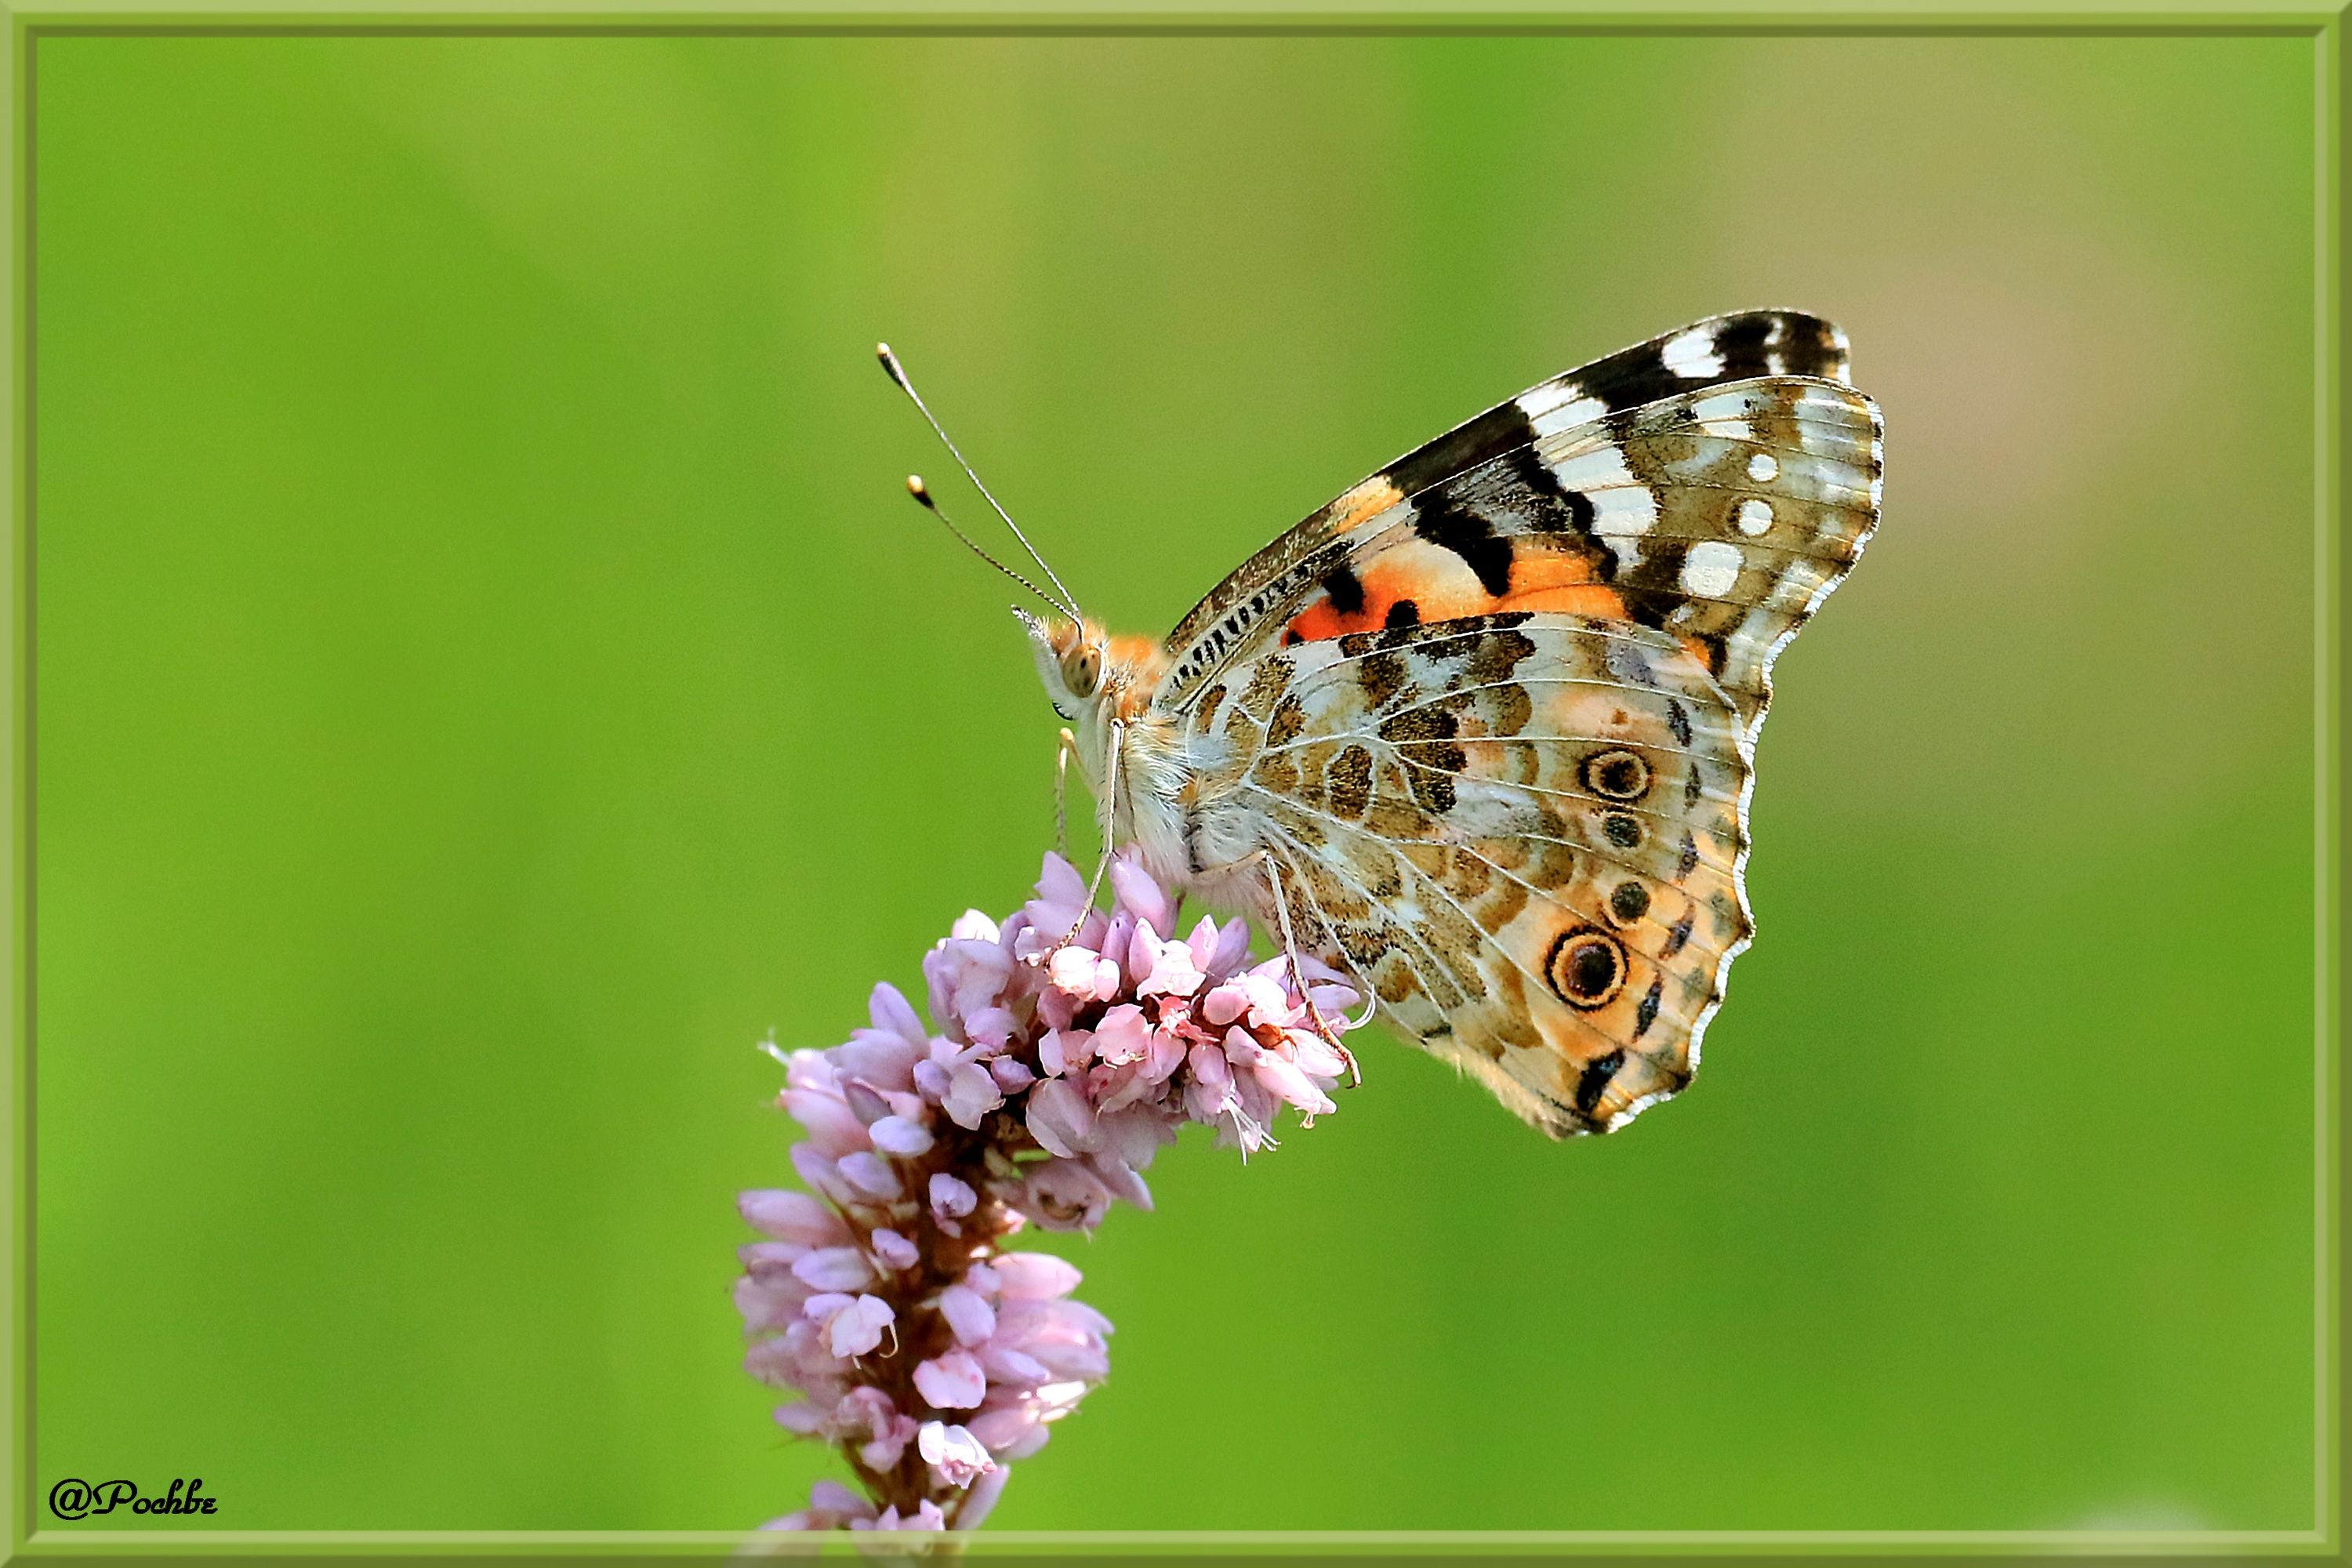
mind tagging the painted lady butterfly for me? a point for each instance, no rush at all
(1482, 730)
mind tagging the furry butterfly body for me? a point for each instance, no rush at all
(1482, 730)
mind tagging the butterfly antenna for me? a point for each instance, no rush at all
(898, 373)
(922, 492)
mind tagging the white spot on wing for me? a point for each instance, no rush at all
(1558, 417)
(1711, 570)
(1693, 355)
(1538, 401)
(1762, 468)
(1754, 516)
(1631, 510)
(1603, 467)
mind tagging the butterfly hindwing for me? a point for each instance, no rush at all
(1522, 829)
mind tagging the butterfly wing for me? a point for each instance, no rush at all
(1523, 830)
(1654, 533)
(1261, 598)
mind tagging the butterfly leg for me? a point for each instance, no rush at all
(1069, 744)
(1109, 821)
(1297, 976)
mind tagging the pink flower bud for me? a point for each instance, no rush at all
(832, 1126)
(952, 1198)
(898, 1136)
(792, 1217)
(1135, 889)
(972, 1094)
(872, 1175)
(967, 1313)
(895, 1251)
(955, 1455)
(834, 1269)
(1060, 1119)
(951, 1382)
(1033, 1276)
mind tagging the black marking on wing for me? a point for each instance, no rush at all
(1450, 525)
(1593, 1081)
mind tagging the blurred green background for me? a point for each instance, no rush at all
(487, 678)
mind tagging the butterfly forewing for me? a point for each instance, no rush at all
(1235, 614)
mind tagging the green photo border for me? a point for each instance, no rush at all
(26, 24)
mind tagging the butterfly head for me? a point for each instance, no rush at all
(1092, 677)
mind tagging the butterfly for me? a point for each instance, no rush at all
(1482, 730)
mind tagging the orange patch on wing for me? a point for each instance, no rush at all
(1585, 599)
(1363, 503)
(1540, 580)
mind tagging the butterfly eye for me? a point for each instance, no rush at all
(1083, 669)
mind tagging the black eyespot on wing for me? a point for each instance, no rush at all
(1616, 774)
(1586, 967)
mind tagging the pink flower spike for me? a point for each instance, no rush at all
(792, 1217)
(952, 1198)
(953, 1453)
(1048, 1073)
(969, 1315)
(951, 1382)
(972, 1094)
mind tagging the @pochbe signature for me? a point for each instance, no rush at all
(76, 1498)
